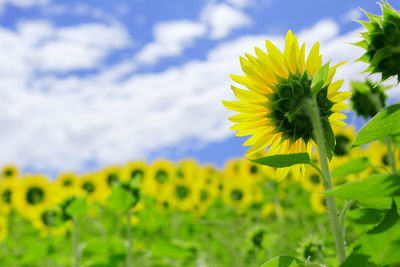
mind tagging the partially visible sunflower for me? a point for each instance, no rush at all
(68, 183)
(318, 202)
(93, 187)
(111, 176)
(237, 194)
(10, 171)
(33, 194)
(49, 222)
(312, 181)
(160, 174)
(7, 194)
(273, 109)
(136, 170)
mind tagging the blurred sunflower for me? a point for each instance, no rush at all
(7, 193)
(237, 194)
(93, 187)
(68, 184)
(33, 194)
(111, 176)
(273, 109)
(187, 169)
(49, 222)
(312, 181)
(136, 170)
(9, 171)
(183, 195)
(318, 202)
(160, 174)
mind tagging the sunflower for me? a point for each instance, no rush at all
(3, 228)
(312, 181)
(50, 222)
(136, 170)
(10, 171)
(187, 169)
(160, 174)
(93, 187)
(68, 184)
(7, 191)
(273, 109)
(183, 195)
(237, 194)
(318, 202)
(33, 194)
(110, 177)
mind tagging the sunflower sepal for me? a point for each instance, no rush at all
(319, 79)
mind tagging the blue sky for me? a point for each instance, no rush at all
(85, 84)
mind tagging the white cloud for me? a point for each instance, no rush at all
(351, 15)
(223, 19)
(170, 38)
(22, 3)
(39, 46)
(62, 122)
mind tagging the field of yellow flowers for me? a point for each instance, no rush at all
(311, 189)
(175, 214)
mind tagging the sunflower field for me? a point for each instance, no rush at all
(310, 191)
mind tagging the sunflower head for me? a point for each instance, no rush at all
(9, 171)
(368, 98)
(381, 42)
(280, 85)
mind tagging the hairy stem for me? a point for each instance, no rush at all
(337, 229)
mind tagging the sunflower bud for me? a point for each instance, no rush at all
(368, 98)
(382, 42)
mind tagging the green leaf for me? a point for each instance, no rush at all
(358, 259)
(288, 261)
(385, 123)
(282, 261)
(77, 208)
(163, 248)
(319, 79)
(382, 243)
(329, 137)
(356, 165)
(375, 186)
(121, 199)
(286, 160)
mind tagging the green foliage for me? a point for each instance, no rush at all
(352, 166)
(284, 160)
(288, 261)
(121, 199)
(77, 207)
(375, 186)
(385, 123)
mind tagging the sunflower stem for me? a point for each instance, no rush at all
(75, 242)
(337, 229)
(390, 154)
(129, 240)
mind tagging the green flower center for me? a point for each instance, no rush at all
(180, 173)
(35, 195)
(236, 194)
(67, 182)
(287, 107)
(253, 169)
(49, 217)
(8, 172)
(88, 187)
(137, 174)
(182, 192)
(315, 179)
(342, 145)
(204, 195)
(6, 196)
(385, 160)
(161, 176)
(257, 239)
(112, 179)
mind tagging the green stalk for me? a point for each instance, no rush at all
(337, 229)
(390, 154)
(129, 240)
(75, 242)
